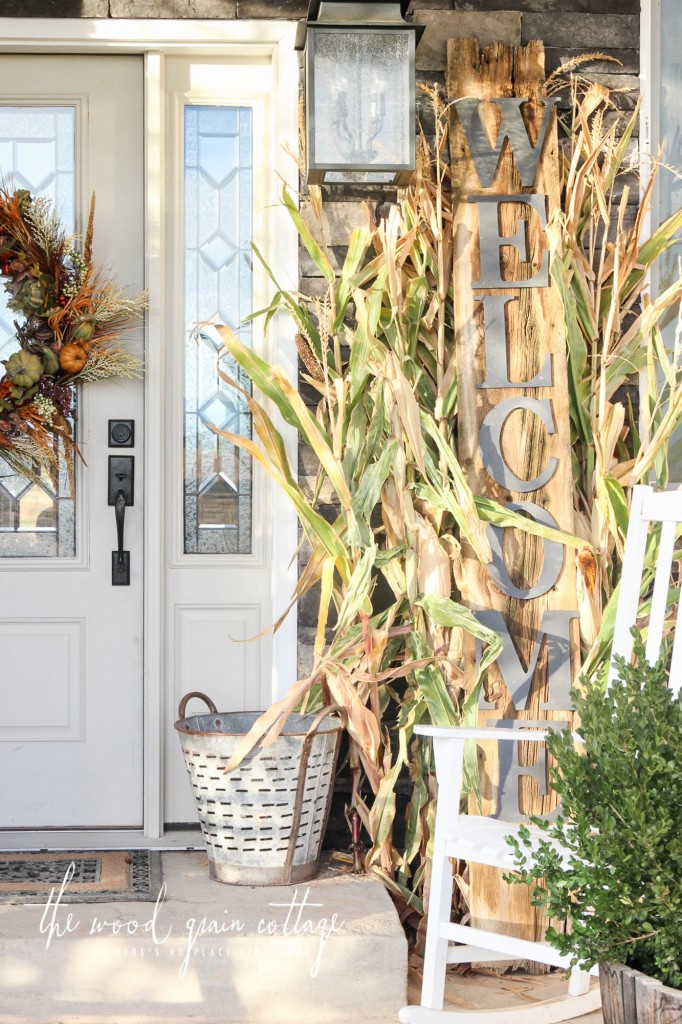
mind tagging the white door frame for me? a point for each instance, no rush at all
(154, 39)
(649, 65)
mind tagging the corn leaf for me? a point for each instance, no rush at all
(318, 257)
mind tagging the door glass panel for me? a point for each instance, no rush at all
(669, 183)
(37, 152)
(218, 188)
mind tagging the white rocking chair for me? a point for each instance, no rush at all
(481, 840)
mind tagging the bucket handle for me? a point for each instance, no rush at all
(300, 785)
(322, 715)
(202, 696)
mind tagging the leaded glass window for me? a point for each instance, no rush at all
(668, 134)
(218, 275)
(670, 185)
(37, 152)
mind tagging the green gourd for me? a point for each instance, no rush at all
(24, 369)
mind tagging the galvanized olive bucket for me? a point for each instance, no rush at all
(264, 822)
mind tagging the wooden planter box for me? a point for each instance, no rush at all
(630, 997)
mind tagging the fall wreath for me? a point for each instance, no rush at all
(73, 315)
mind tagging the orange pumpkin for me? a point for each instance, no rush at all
(72, 358)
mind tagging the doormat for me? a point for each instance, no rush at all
(120, 876)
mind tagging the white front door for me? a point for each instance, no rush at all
(71, 644)
(185, 153)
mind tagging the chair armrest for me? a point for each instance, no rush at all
(458, 732)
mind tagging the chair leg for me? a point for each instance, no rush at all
(578, 983)
(436, 947)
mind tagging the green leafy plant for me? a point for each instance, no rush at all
(621, 793)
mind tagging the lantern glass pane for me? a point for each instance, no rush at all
(361, 99)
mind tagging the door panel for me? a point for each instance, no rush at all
(71, 710)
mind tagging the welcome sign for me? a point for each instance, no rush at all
(513, 424)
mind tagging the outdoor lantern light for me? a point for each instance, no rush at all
(360, 108)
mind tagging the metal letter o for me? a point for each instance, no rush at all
(553, 555)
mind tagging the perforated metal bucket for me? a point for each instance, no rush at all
(264, 822)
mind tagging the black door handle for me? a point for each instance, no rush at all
(121, 496)
(120, 513)
(120, 559)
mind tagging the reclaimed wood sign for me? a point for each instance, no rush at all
(513, 422)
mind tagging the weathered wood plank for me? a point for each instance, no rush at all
(668, 1006)
(628, 985)
(646, 999)
(612, 993)
(630, 997)
(534, 331)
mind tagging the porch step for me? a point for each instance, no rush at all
(331, 950)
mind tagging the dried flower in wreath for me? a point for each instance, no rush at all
(72, 317)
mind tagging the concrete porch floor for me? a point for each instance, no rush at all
(331, 950)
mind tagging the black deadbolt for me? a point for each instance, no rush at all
(121, 433)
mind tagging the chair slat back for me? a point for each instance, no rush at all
(659, 600)
(647, 508)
